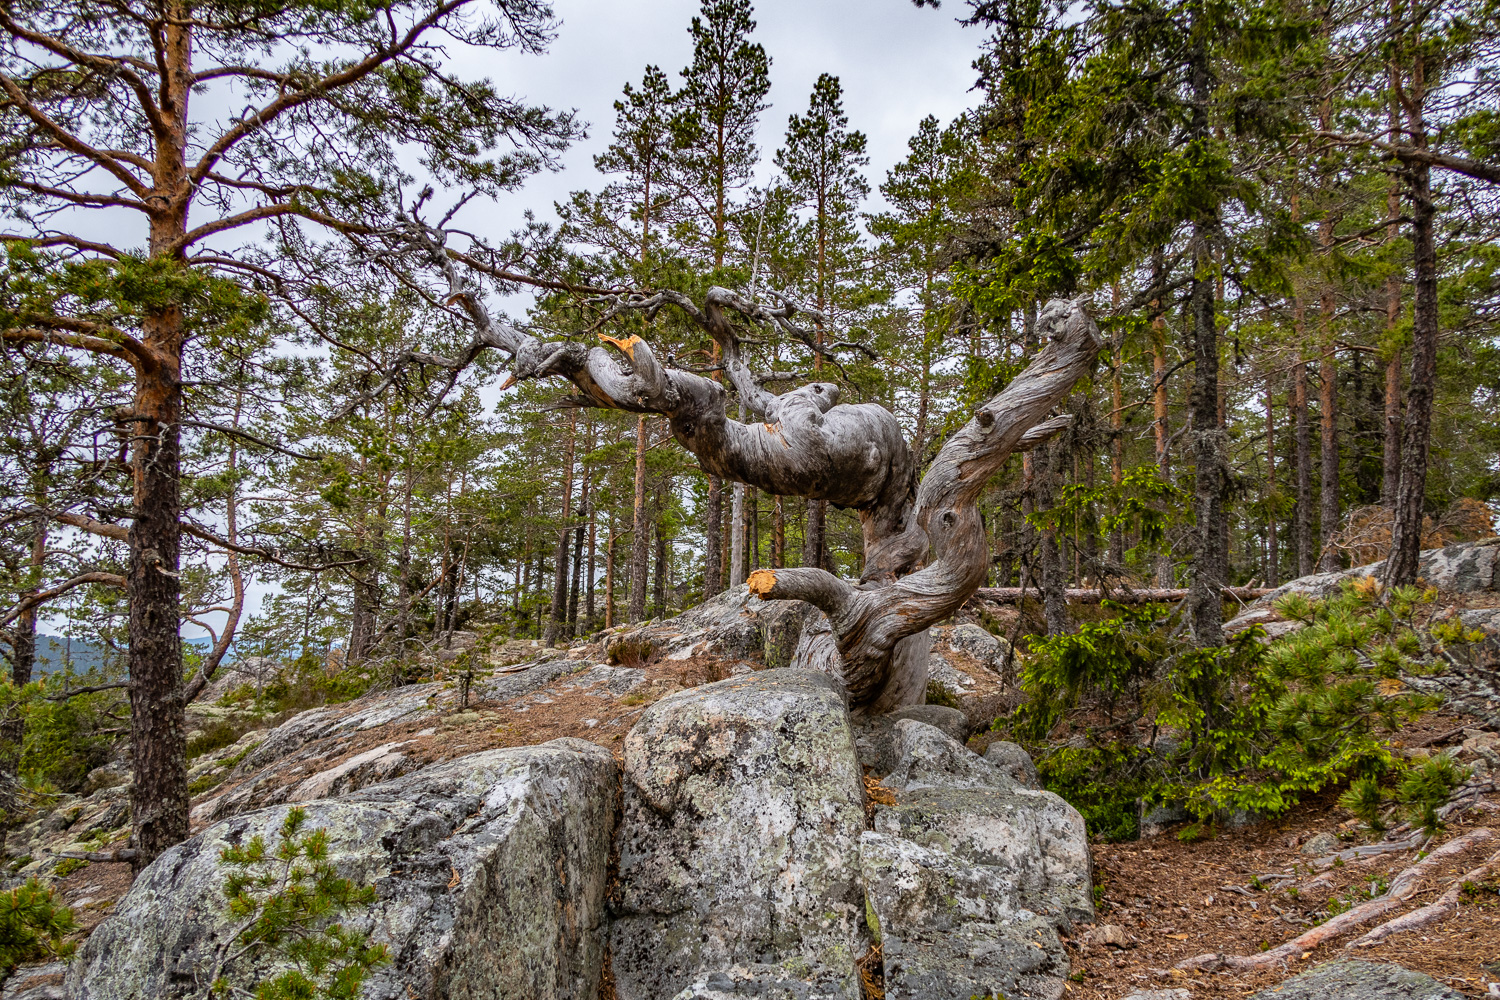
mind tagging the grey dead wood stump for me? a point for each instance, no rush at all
(926, 551)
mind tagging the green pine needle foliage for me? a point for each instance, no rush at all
(32, 926)
(1247, 726)
(286, 900)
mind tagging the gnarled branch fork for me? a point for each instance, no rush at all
(925, 546)
(870, 618)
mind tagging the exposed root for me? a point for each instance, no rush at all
(1402, 888)
(1445, 906)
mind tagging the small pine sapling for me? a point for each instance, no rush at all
(32, 926)
(286, 901)
(1426, 788)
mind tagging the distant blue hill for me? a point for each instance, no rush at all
(54, 652)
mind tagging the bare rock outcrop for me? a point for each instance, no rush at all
(739, 843)
(490, 871)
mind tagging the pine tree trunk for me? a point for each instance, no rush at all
(1328, 559)
(1161, 427)
(1222, 527)
(1005, 557)
(1209, 450)
(1416, 430)
(1302, 513)
(578, 533)
(588, 608)
(778, 536)
(159, 795)
(1273, 556)
(1390, 473)
(713, 564)
(22, 662)
(752, 528)
(812, 536)
(640, 538)
(737, 537)
(1116, 452)
(1390, 478)
(659, 581)
(557, 622)
(1053, 576)
(609, 576)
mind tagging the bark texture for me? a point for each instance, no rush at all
(1416, 429)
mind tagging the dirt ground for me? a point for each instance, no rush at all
(1244, 891)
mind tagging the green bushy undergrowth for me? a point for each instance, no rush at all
(63, 740)
(286, 901)
(1247, 726)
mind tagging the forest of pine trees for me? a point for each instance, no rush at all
(1281, 216)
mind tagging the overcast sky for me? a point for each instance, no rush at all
(897, 64)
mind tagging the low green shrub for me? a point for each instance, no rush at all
(1247, 726)
(68, 866)
(939, 693)
(286, 900)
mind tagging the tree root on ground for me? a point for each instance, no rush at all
(1445, 907)
(1402, 888)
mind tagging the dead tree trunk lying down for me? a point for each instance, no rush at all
(1014, 595)
(925, 546)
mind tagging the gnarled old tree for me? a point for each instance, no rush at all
(926, 551)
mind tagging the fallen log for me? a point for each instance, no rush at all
(1013, 595)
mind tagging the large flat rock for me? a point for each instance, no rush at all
(1354, 980)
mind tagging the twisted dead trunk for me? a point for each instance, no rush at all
(879, 622)
(926, 550)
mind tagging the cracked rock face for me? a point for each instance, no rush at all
(739, 843)
(490, 871)
(970, 875)
(950, 929)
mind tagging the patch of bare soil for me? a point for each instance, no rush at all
(589, 713)
(93, 890)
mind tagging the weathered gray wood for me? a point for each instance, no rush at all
(869, 620)
(926, 551)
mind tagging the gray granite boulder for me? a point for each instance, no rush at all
(764, 982)
(739, 843)
(1354, 980)
(951, 799)
(1015, 762)
(951, 930)
(875, 736)
(1464, 568)
(490, 872)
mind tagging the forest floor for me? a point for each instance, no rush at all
(1174, 900)
(1162, 900)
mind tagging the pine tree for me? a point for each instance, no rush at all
(190, 174)
(821, 160)
(723, 95)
